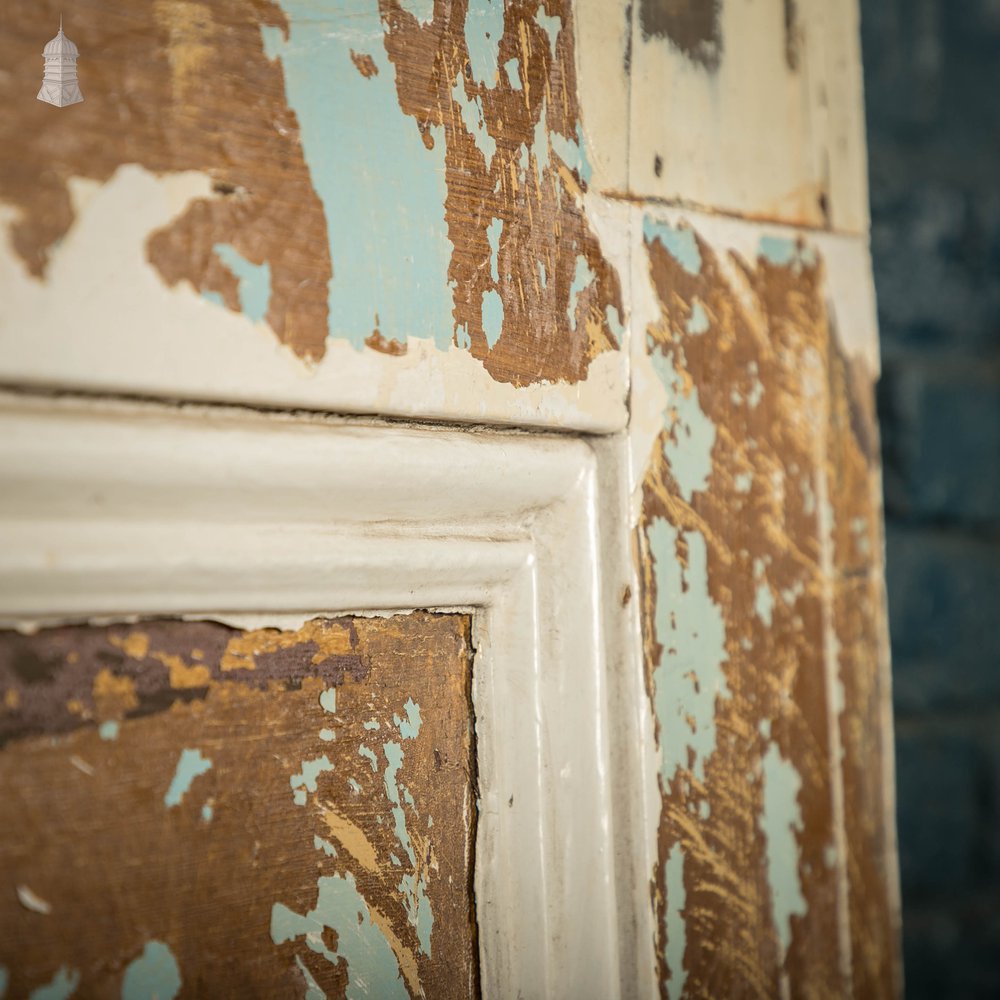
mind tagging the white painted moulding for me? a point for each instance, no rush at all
(111, 510)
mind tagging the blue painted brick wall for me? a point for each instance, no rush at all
(932, 79)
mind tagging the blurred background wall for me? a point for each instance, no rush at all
(932, 77)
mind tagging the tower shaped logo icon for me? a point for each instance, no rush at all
(60, 85)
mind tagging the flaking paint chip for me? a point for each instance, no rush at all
(30, 901)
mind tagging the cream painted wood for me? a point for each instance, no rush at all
(110, 510)
(758, 135)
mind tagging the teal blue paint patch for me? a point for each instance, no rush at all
(542, 276)
(372, 724)
(698, 320)
(313, 989)
(493, 232)
(422, 10)
(859, 526)
(299, 797)
(791, 594)
(512, 69)
(614, 321)
(414, 891)
(327, 735)
(272, 39)
(370, 754)
(409, 728)
(689, 679)
(551, 26)
(676, 928)
(214, 297)
(109, 730)
(582, 277)
(395, 860)
(782, 251)
(808, 496)
(764, 603)
(372, 968)
(418, 909)
(207, 812)
(305, 780)
(492, 316)
(254, 281)
(325, 846)
(60, 987)
(462, 338)
(688, 450)
(328, 700)
(190, 765)
(474, 120)
(679, 242)
(383, 192)
(779, 822)
(483, 31)
(764, 600)
(353, 785)
(756, 393)
(394, 760)
(4, 982)
(154, 975)
(573, 152)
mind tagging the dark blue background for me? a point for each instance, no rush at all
(932, 79)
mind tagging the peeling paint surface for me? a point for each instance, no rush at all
(780, 821)
(189, 766)
(258, 858)
(372, 968)
(757, 511)
(353, 203)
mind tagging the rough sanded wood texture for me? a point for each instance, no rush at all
(763, 611)
(195, 810)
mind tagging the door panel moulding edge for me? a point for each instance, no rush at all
(111, 510)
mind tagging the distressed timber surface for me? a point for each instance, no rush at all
(763, 615)
(646, 217)
(300, 810)
(396, 189)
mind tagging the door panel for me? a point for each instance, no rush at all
(220, 812)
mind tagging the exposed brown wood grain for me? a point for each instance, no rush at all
(88, 831)
(173, 85)
(795, 445)
(544, 226)
(179, 85)
(863, 661)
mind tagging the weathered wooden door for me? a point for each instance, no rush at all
(441, 536)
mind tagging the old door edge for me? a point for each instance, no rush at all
(106, 505)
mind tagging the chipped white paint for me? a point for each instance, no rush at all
(753, 136)
(850, 295)
(175, 343)
(104, 506)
